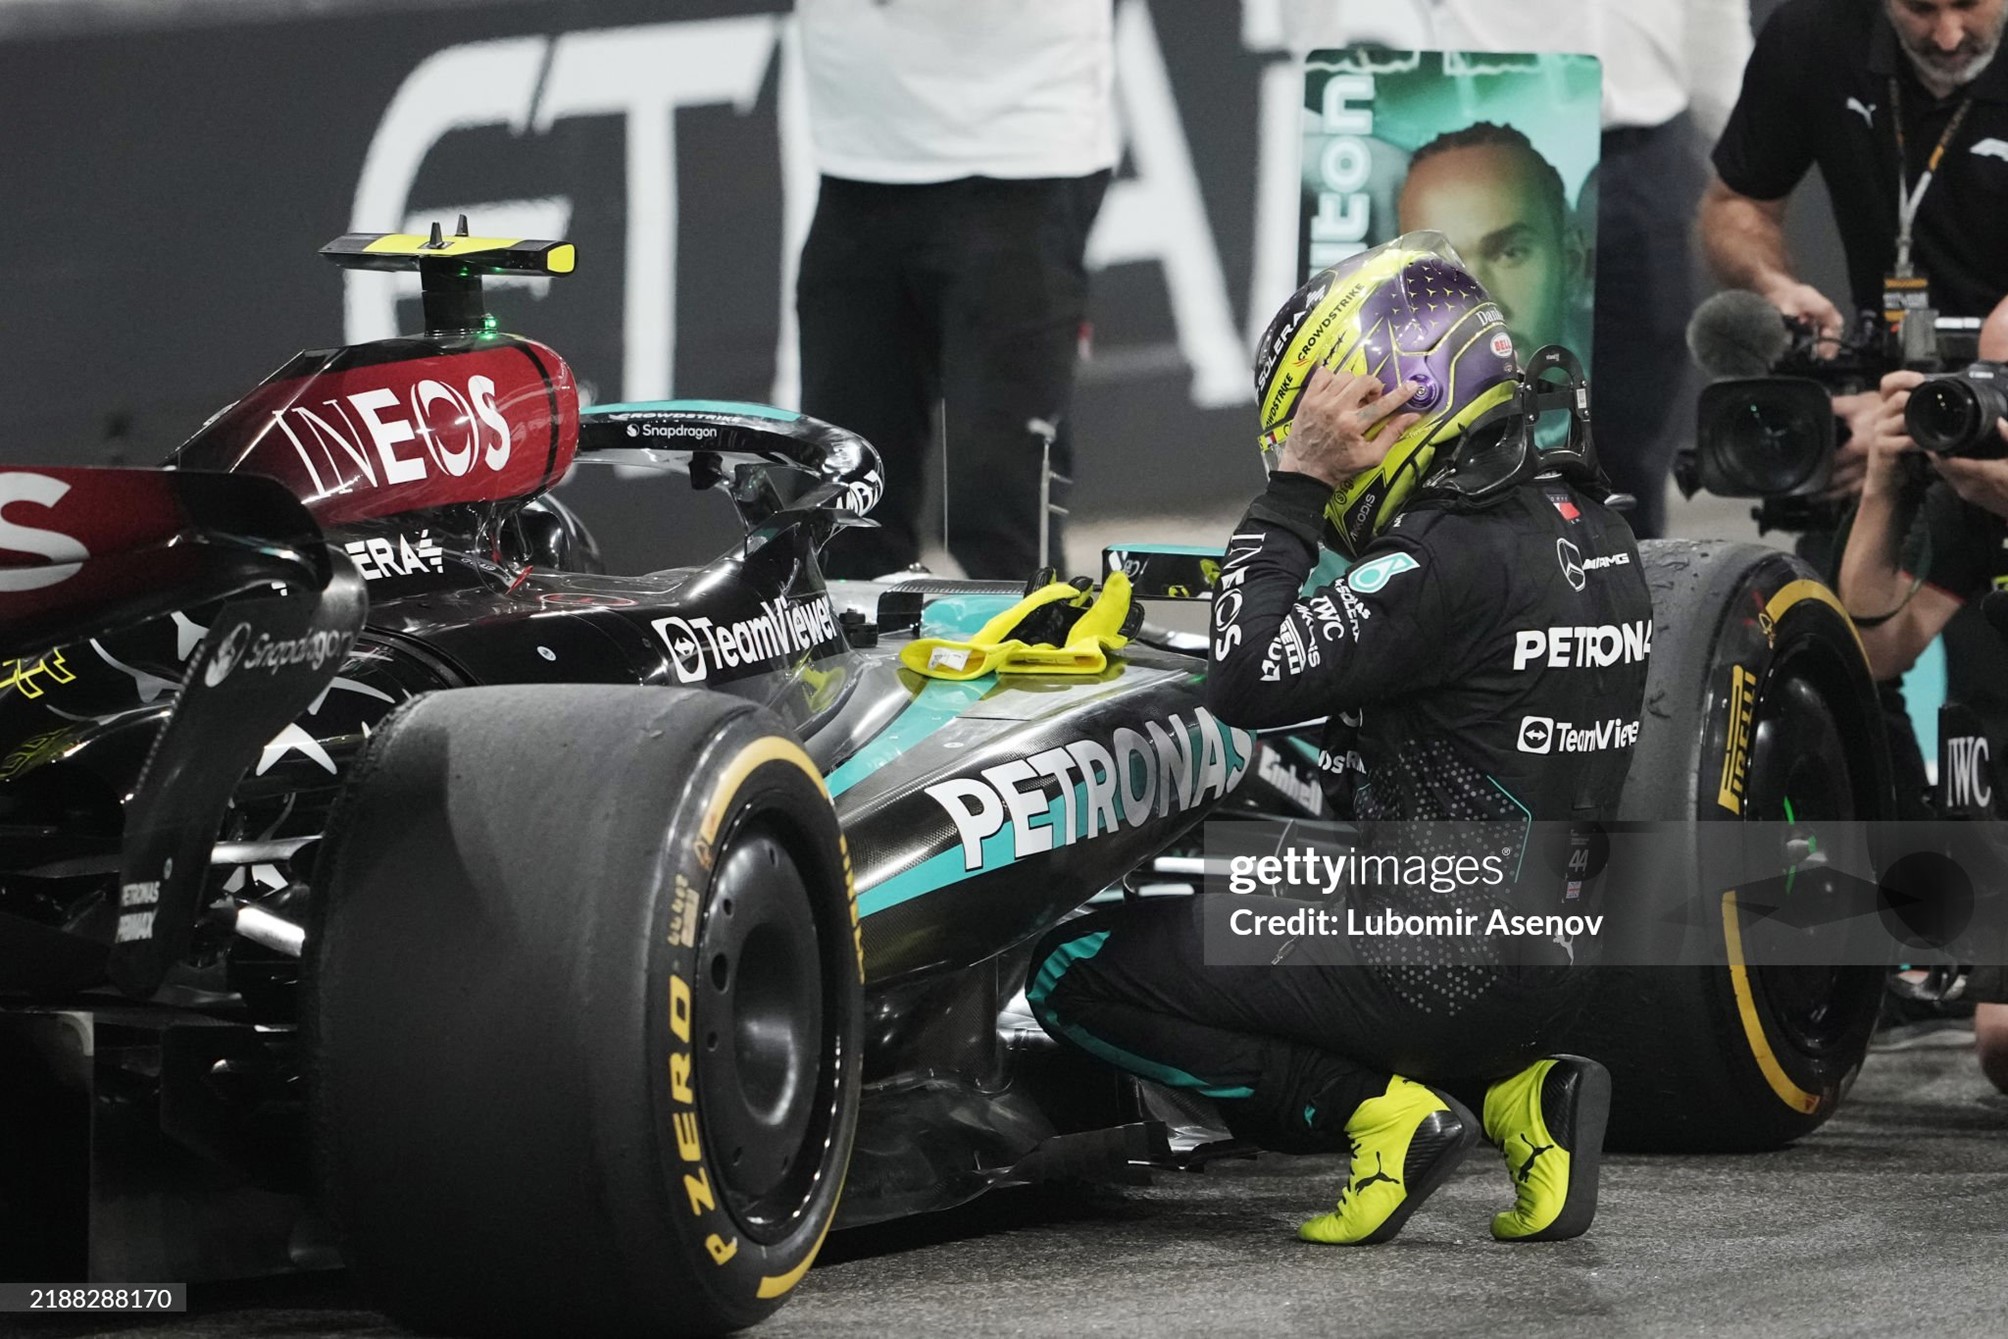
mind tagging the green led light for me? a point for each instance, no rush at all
(488, 323)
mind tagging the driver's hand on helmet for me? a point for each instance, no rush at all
(1344, 424)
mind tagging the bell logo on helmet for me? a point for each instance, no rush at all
(1369, 577)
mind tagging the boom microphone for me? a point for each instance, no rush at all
(1737, 334)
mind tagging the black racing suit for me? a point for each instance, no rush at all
(1475, 665)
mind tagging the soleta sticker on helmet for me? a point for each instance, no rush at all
(1369, 577)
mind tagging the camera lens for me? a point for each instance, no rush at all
(1944, 415)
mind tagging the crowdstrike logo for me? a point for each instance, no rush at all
(1544, 734)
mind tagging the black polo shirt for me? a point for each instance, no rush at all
(1817, 90)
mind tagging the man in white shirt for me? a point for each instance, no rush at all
(964, 146)
(1671, 68)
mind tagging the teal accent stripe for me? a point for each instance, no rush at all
(934, 872)
(1525, 832)
(937, 703)
(1000, 847)
(1306, 750)
(1047, 979)
(1923, 695)
(1197, 550)
(745, 407)
(960, 617)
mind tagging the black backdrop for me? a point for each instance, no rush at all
(170, 168)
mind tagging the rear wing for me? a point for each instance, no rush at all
(85, 552)
(450, 268)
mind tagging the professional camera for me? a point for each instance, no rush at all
(1765, 425)
(1954, 415)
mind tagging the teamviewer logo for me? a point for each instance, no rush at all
(1537, 734)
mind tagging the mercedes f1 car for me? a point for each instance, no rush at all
(383, 882)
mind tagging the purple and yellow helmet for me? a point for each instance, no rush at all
(1404, 311)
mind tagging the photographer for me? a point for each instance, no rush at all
(1955, 535)
(1904, 109)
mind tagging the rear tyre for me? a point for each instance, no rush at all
(584, 1013)
(1759, 707)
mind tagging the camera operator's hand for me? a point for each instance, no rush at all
(1342, 425)
(1984, 483)
(1862, 412)
(1803, 302)
(1887, 438)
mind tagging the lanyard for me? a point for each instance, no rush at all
(1909, 197)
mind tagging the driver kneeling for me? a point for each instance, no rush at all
(1400, 432)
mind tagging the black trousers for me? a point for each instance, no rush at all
(969, 292)
(1287, 1052)
(1649, 182)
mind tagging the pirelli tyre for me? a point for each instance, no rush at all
(1759, 707)
(584, 1013)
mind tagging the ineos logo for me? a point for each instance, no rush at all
(66, 556)
(371, 432)
(1571, 559)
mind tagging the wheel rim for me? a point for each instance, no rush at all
(766, 1061)
(1798, 772)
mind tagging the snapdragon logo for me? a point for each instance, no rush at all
(228, 652)
(313, 650)
(646, 428)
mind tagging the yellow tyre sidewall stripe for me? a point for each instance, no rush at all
(773, 748)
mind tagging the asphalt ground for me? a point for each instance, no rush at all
(1892, 1218)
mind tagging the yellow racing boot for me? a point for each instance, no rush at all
(1406, 1142)
(1549, 1118)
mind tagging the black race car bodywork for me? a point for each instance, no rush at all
(975, 813)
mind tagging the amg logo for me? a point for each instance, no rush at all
(1583, 647)
(1137, 776)
(1967, 764)
(1542, 734)
(1736, 739)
